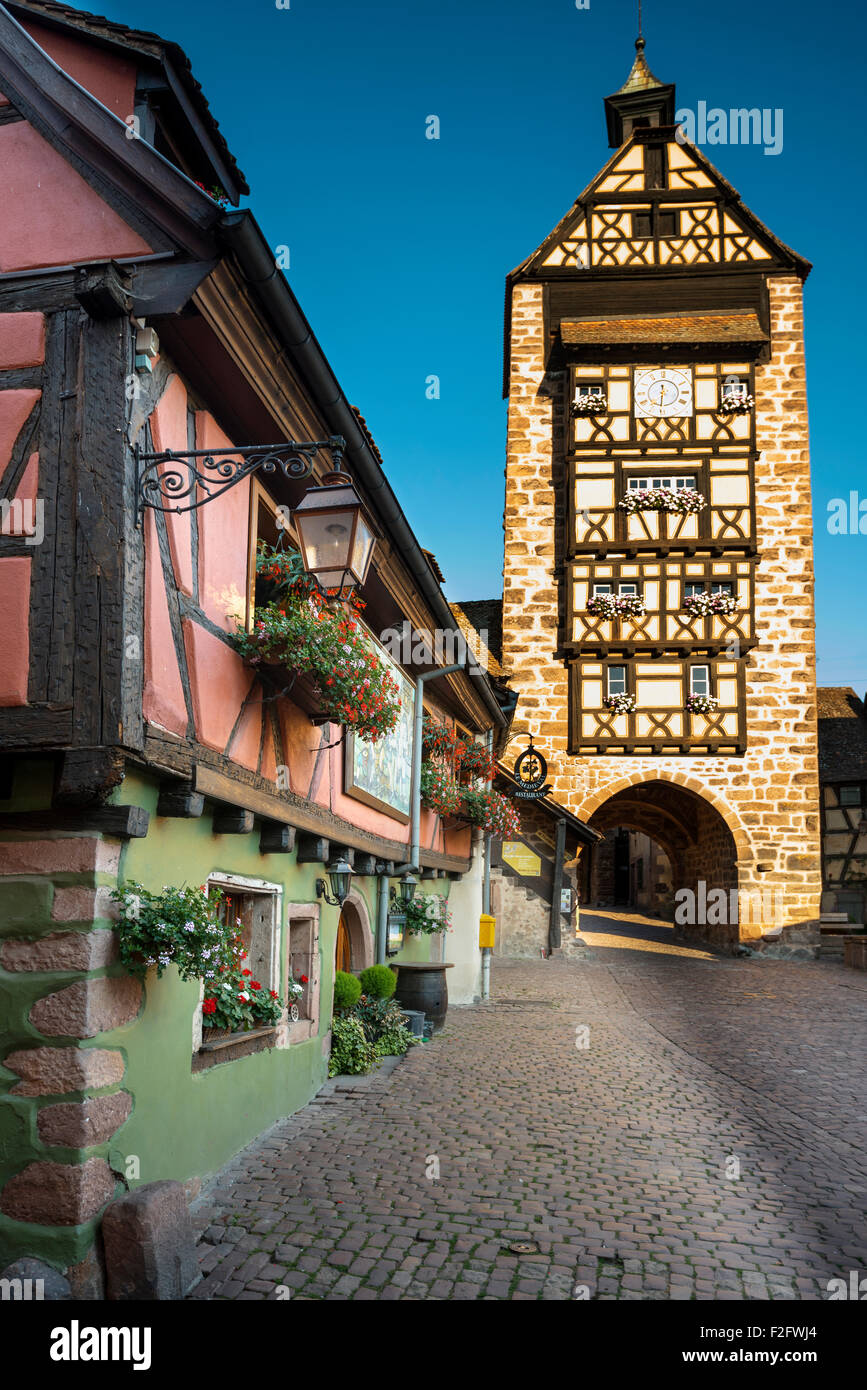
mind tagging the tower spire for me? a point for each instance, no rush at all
(642, 100)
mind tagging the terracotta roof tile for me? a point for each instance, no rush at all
(740, 326)
(842, 735)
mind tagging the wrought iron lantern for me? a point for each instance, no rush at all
(408, 886)
(335, 534)
(340, 873)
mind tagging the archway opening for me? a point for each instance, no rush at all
(354, 949)
(666, 851)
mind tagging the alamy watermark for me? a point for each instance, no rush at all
(741, 126)
(443, 647)
(721, 906)
(23, 517)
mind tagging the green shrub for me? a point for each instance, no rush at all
(347, 991)
(377, 1016)
(351, 1053)
(378, 981)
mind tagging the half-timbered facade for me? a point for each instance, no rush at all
(138, 316)
(843, 780)
(658, 615)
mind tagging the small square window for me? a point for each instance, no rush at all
(641, 224)
(722, 586)
(850, 796)
(628, 588)
(616, 680)
(692, 590)
(699, 680)
(668, 223)
(601, 589)
(588, 388)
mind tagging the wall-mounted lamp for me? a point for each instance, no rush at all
(335, 534)
(340, 874)
(408, 885)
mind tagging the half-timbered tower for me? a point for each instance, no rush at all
(658, 603)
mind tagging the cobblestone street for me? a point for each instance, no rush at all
(707, 1143)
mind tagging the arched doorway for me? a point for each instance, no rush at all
(698, 845)
(354, 949)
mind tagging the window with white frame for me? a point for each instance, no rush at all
(623, 588)
(252, 906)
(627, 588)
(693, 590)
(616, 680)
(699, 680)
(671, 480)
(722, 586)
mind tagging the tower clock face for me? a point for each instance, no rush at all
(662, 391)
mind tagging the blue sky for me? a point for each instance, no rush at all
(399, 245)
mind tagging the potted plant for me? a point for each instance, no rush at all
(438, 740)
(439, 790)
(493, 812)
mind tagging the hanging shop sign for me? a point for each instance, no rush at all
(531, 770)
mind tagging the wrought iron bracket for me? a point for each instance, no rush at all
(168, 479)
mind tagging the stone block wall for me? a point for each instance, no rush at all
(63, 1097)
(768, 798)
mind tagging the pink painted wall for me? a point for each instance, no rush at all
(110, 77)
(22, 340)
(15, 626)
(49, 215)
(220, 682)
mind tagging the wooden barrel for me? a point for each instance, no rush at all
(424, 987)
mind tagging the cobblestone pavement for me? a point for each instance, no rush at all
(707, 1143)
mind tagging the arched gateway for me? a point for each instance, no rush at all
(658, 586)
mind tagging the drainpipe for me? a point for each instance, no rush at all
(486, 893)
(382, 886)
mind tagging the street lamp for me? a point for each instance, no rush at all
(335, 534)
(340, 874)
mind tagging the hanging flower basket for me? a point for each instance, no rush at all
(473, 760)
(679, 500)
(621, 704)
(492, 811)
(734, 404)
(709, 605)
(439, 790)
(616, 606)
(438, 740)
(335, 667)
(701, 704)
(596, 403)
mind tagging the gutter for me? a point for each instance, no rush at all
(244, 237)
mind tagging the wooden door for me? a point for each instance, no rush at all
(343, 960)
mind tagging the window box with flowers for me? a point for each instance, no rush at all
(189, 928)
(620, 704)
(317, 648)
(616, 606)
(701, 704)
(710, 605)
(680, 501)
(590, 403)
(736, 403)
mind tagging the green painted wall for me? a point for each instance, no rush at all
(183, 1125)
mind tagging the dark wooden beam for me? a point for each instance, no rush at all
(102, 290)
(180, 799)
(276, 838)
(125, 822)
(231, 820)
(312, 849)
(365, 864)
(88, 775)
